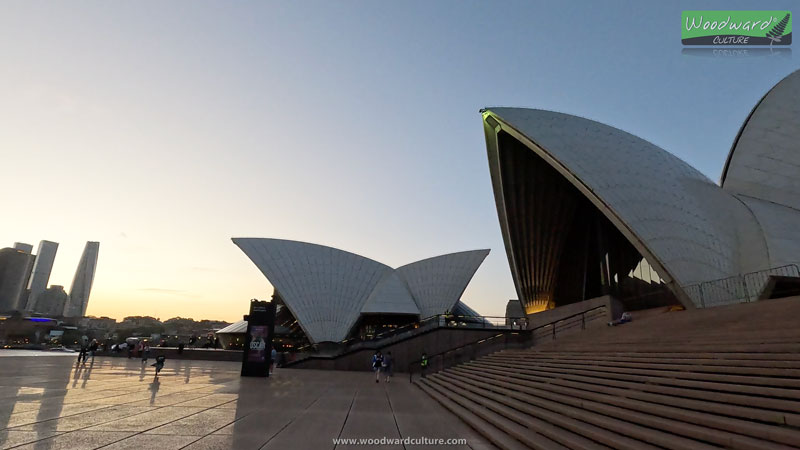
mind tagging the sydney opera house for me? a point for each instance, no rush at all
(331, 294)
(588, 210)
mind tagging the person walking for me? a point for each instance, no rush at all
(145, 352)
(377, 364)
(93, 348)
(387, 366)
(423, 363)
(81, 353)
(273, 358)
(84, 349)
(159, 364)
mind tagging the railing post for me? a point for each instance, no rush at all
(746, 291)
(702, 298)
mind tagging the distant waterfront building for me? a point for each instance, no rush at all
(15, 268)
(51, 302)
(97, 323)
(45, 256)
(232, 336)
(82, 283)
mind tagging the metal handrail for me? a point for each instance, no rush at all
(530, 332)
(436, 321)
(736, 289)
(407, 331)
(455, 349)
(583, 313)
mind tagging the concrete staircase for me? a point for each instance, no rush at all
(726, 377)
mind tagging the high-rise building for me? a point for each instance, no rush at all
(82, 283)
(51, 302)
(27, 248)
(15, 268)
(45, 255)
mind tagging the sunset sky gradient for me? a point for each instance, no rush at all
(163, 129)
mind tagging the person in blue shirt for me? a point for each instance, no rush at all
(377, 364)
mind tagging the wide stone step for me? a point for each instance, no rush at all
(713, 402)
(495, 435)
(677, 334)
(620, 425)
(649, 358)
(676, 347)
(571, 427)
(658, 347)
(774, 357)
(732, 432)
(679, 367)
(657, 426)
(789, 388)
(729, 337)
(522, 436)
(725, 377)
(557, 435)
(682, 388)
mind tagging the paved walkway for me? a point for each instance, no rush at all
(49, 403)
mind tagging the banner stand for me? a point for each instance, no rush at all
(257, 354)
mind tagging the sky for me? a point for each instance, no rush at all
(163, 129)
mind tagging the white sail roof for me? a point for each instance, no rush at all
(764, 161)
(763, 169)
(686, 225)
(324, 288)
(391, 296)
(327, 289)
(437, 283)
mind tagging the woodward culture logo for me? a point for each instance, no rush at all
(736, 28)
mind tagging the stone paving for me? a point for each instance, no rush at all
(47, 402)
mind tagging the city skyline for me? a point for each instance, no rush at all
(352, 125)
(25, 277)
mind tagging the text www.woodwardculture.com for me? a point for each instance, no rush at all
(399, 441)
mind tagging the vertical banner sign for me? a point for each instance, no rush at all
(258, 339)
